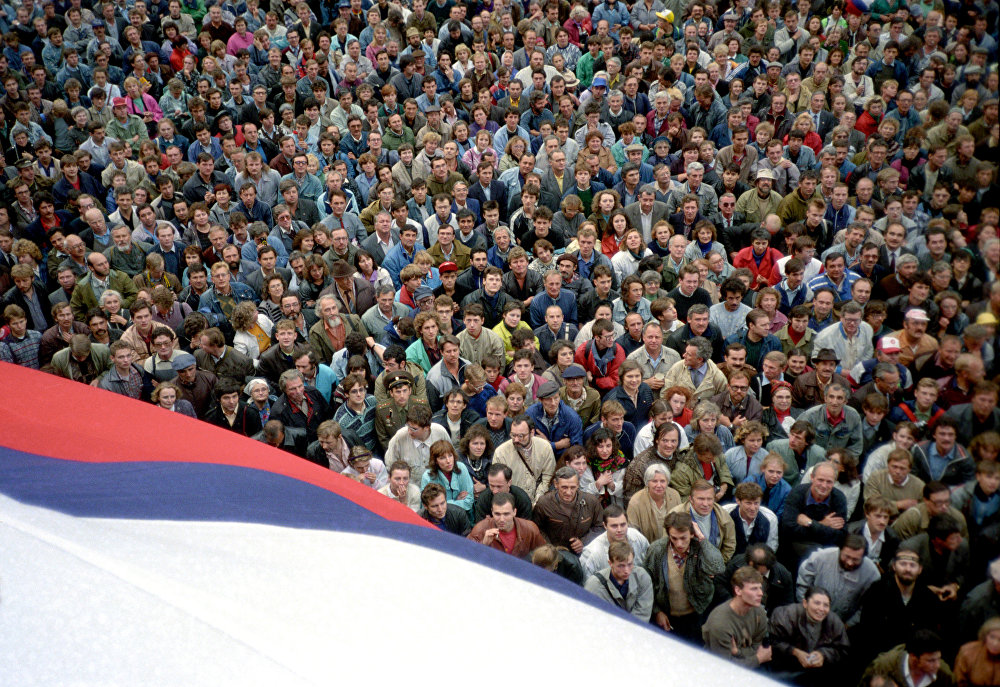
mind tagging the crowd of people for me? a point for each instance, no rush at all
(693, 304)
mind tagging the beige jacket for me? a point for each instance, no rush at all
(714, 382)
(727, 528)
(534, 478)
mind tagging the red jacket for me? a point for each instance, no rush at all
(768, 266)
(867, 124)
(585, 358)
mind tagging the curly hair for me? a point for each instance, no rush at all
(748, 428)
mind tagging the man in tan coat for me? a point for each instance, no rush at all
(529, 458)
(711, 521)
(696, 371)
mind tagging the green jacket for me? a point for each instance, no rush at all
(585, 69)
(793, 209)
(703, 564)
(99, 353)
(391, 140)
(814, 455)
(133, 126)
(83, 298)
(891, 663)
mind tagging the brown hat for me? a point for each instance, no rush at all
(825, 354)
(412, 31)
(341, 270)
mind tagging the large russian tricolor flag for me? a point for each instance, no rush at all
(142, 547)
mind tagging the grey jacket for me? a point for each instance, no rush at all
(638, 599)
(847, 434)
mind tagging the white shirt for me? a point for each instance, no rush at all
(874, 545)
(644, 439)
(414, 453)
(927, 679)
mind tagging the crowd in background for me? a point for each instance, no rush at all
(693, 304)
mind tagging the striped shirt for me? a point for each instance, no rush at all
(363, 423)
(23, 351)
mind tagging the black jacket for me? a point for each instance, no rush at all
(494, 313)
(314, 453)
(15, 297)
(247, 421)
(886, 621)
(889, 546)
(282, 410)
(455, 521)
(779, 586)
(295, 441)
(678, 340)
(484, 504)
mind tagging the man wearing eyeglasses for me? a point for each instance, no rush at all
(736, 403)
(850, 339)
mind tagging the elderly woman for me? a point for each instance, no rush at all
(705, 419)
(167, 396)
(650, 505)
(119, 318)
(253, 330)
(809, 641)
(780, 415)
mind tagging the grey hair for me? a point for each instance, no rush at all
(112, 292)
(837, 386)
(703, 345)
(702, 410)
(319, 304)
(655, 469)
(616, 93)
(882, 369)
(286, 377)
(695, 167)
(565, 472)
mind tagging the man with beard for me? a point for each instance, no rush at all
(760, 201)
(530, 459)
(845, 572)
(329, 333)
(896, 606)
